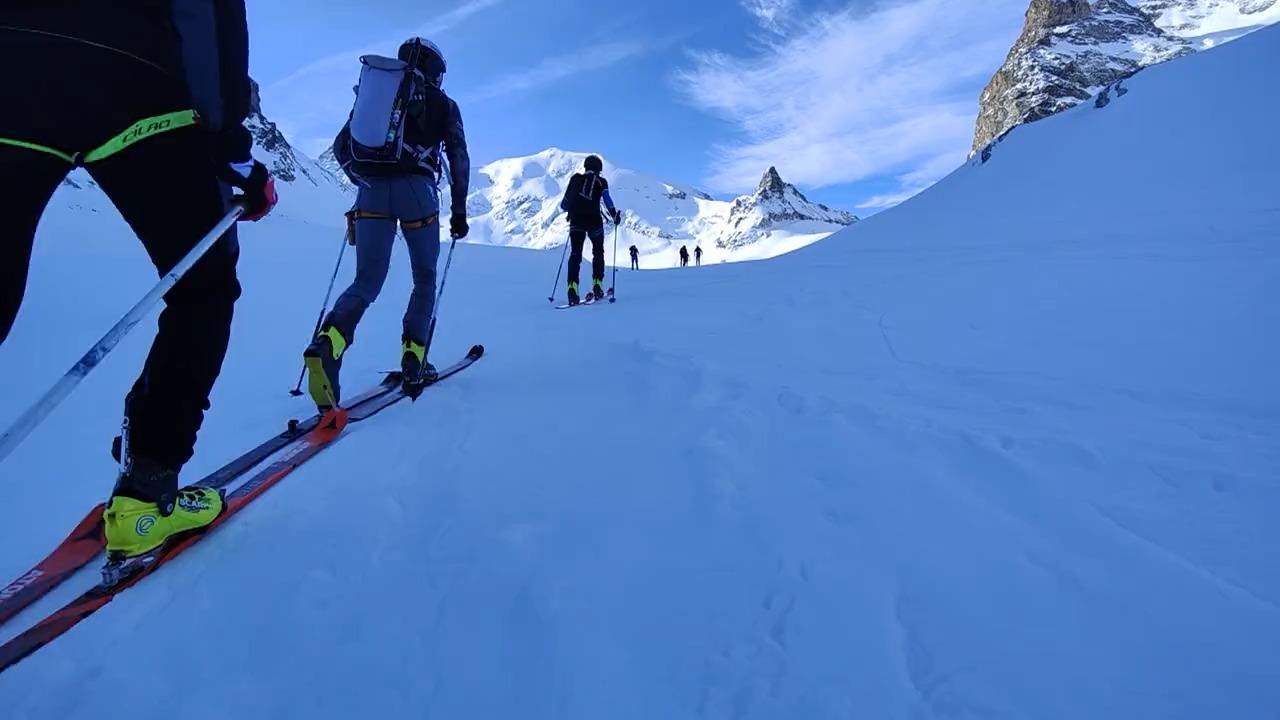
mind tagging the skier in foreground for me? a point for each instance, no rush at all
(582, 200)
(123, 109)
(396, 190)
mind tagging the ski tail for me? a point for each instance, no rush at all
(80, 547)
(86, 541)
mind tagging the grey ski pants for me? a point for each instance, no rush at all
(414, 203)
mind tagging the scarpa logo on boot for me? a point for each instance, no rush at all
(194, 504)
(144, 524)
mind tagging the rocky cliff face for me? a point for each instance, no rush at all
(274, 150)
(1068, 51)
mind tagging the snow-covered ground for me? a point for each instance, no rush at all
(1009, 450)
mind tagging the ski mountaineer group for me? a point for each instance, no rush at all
(582, 198)
(156, 115)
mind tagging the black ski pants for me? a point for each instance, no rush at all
(577, 239)
(74, 97)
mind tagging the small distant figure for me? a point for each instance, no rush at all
(684, 256)
(697, 255)
(635, 258)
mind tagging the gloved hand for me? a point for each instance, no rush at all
(617, 216)
(351, 227)
(257, 187)
(458, 225)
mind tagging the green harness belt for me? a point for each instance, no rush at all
(140, 130)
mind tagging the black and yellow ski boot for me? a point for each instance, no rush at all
(323, 358)
(416, 371)
(135, 527)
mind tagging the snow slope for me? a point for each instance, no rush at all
(1009, 450)
(515, 202)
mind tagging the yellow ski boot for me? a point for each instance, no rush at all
(135, 527)
(323, 359)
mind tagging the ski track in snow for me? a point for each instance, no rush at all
(938, 467)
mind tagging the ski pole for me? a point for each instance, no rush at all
(559, 269)
(613, 285)
(36, 414)
(435, 309)
(297, 390)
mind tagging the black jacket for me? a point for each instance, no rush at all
(582, 197)
(204, 44)
(441, 118)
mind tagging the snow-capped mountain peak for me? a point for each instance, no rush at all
(1210, 21)
(516, 202)
(774, 203)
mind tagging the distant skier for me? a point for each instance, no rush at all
(396, 186)
(106, 86)
(697, 255)
(684, 256)
(582, 200)
(635, 258)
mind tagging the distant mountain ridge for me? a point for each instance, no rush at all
(516, 202)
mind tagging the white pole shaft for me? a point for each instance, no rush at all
(36, 414)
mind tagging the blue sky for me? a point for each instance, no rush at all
(860, 103)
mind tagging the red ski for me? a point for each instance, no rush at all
(297, 452)
(86, 542)
(81, 546)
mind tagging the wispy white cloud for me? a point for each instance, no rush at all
(772, 14)
(916, 181)
(318, 95)
(559, 67)
(889, 90)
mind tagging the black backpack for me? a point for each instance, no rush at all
(585, 191)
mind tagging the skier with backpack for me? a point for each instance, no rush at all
(635, 258)
(582, 198)
(391, 148)
(164, 137)
(684, 256)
